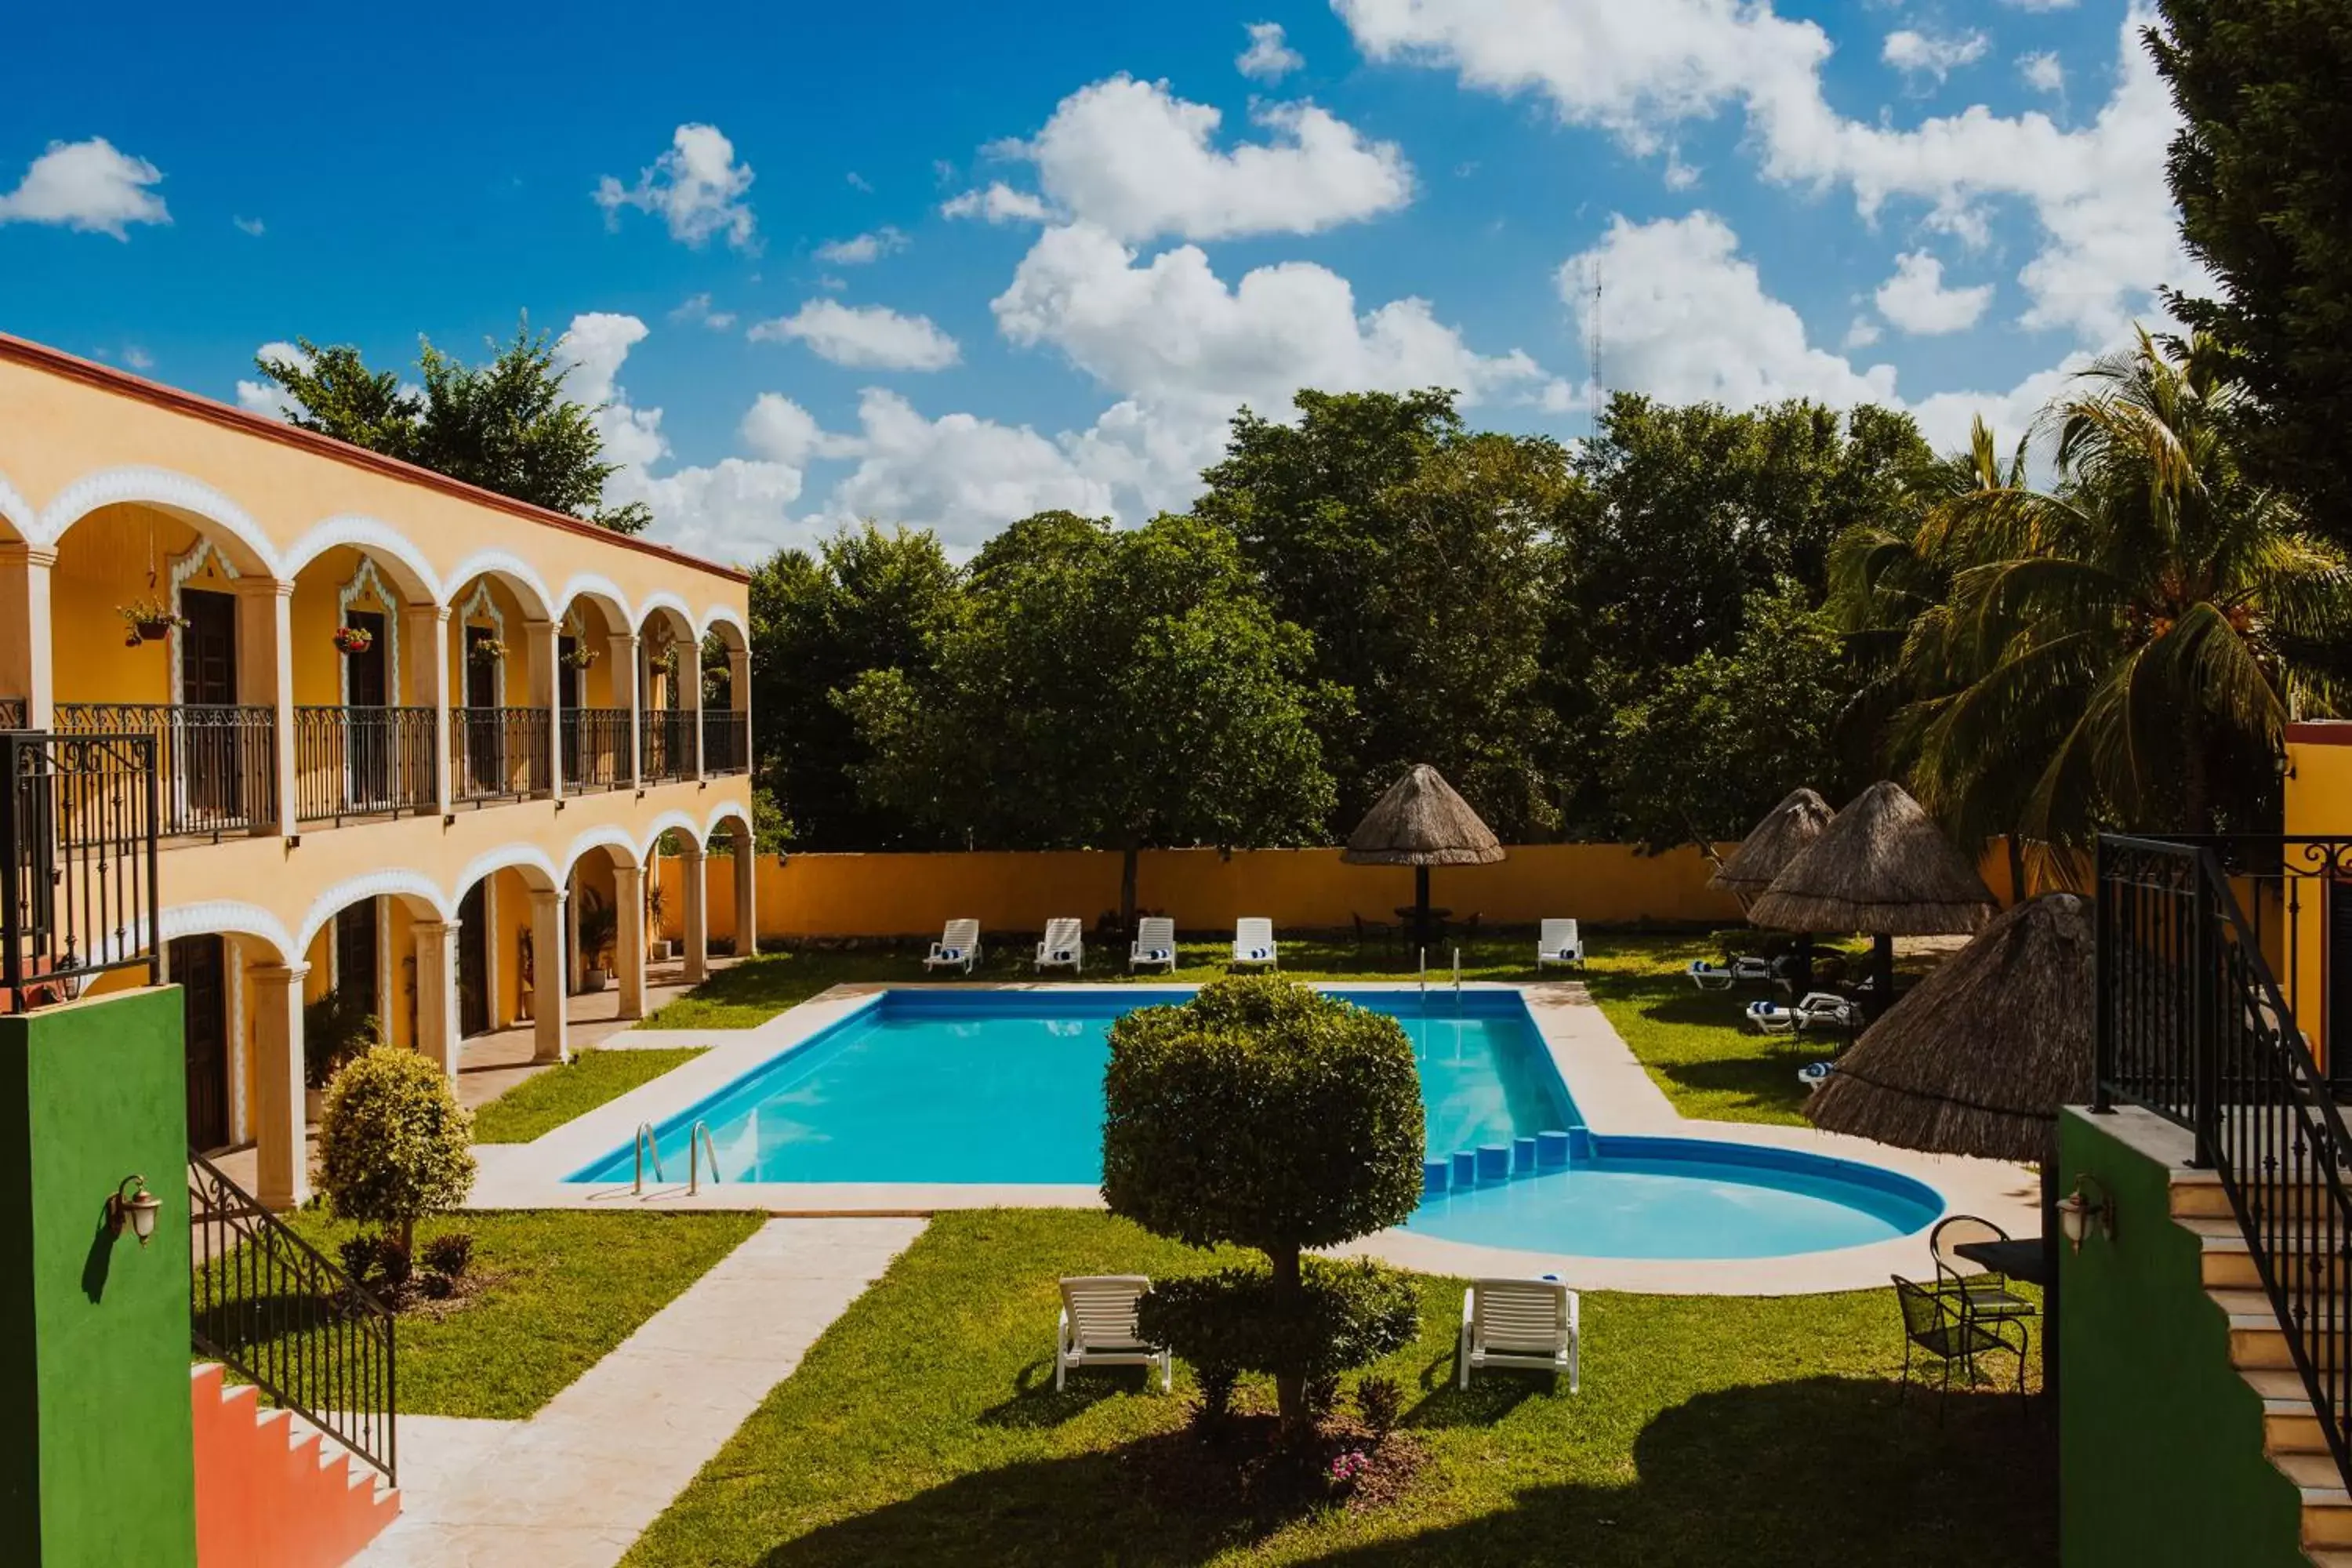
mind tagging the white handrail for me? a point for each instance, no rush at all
(699, 1139)
(646, 1141)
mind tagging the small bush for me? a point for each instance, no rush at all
(393, 1263)
(451, 1254)
(1380, 1402)
(394, 1145)
(1346, 1315)
(439, 1287)
(358, 1254)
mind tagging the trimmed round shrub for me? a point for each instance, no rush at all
(394, 1143)
(1345, 1314)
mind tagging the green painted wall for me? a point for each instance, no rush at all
(2161, 1441)
(97, 1445)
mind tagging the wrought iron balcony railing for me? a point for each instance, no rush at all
(666, 749)
(596, 749)
(365, 761)
(12, 712)
(726, 742)
(216, 764)
(78, 894)
(497, 753)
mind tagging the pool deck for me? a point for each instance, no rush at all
(1611, 1089)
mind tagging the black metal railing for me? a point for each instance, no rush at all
(666, 744)
(497, 753)
(365, 761)
(77, 892)
(726, 742)
(273, 1308)
(2194, 1026)
(12, 712)
(217, 763)
(596, 749)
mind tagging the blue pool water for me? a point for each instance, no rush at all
(1006, 1087)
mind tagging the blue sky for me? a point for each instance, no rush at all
(1164, 213)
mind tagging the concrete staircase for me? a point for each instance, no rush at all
(2292, 1435)
(270, 1488)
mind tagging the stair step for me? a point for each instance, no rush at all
(2257, 1341)
(2312, 1472)
(2327, 1517)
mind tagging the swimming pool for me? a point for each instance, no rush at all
(1005, 1088)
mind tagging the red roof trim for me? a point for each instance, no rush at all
(2319, 732)
(108, 379)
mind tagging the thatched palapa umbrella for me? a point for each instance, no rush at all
(1786, 831)
(1882, 868)
(1421, 822)
(1980, 1057)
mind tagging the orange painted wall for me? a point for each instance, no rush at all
(912, 895)
(102, 562)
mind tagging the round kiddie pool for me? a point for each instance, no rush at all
(1005, 1088)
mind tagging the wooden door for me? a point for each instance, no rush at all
(474, 962)
(203, 761)
(199, 967)
(355, 945)
(486, 735)
(368, 739)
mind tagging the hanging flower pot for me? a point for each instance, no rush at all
(581, 658)
(354, 640)
(489, 650)
(148, 620)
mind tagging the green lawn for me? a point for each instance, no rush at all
(1692, 1041)
(923, 1428)
(546, 1100)
(569, 1287)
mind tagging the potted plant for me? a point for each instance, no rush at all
(600, 926)
(335, 1028)
(149, 620)
(658, 944)
(580, 656)
(354, 639)
(489, 650)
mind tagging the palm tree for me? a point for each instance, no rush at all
(2125, 648)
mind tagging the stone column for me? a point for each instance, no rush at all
(746, 896)
(692, 887)
(545, 638)
(690, 696)
(283, 1180)
(428, 683)
(627, 690)
(26, 670)
(629, 943)
(265, 678)
(436, 992)
(550, 1036)
(739, 698)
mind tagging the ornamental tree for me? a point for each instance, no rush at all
(394, 1145)
(1264, 1114)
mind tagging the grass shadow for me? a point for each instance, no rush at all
(1036, 1404)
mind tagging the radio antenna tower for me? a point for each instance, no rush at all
(1593, 349)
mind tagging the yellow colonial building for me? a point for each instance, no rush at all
(413, 740)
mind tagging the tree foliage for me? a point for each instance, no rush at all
(1263, 1114)
(505, 424)
(2259, 170)
(1421, 559)
(394, 1145)
(2125, 648)
(867, 598)
(1101, 688)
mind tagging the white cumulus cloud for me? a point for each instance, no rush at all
(263, 396)
(2043, 72)
(867, 337)
(964, 476)
(696, 308)
(1917, 54)
(1916, 299)
(1134, 159)
(87, 185)
(1000, 202)
(863, 248)
(696, 188)
(1269, 56)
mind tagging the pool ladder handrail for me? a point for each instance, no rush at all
(646, 1142)
(697, 1139)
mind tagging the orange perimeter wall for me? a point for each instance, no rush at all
(913, 895)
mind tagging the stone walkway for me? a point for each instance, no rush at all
(574, 1486)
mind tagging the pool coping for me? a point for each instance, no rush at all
(1615, 1094)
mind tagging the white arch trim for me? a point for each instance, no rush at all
(16, 510)
(723, 615)
(227, 917)
(512, 567)
(662, 601)
(600, 838)
(663, 824)
(389, 883)
(508, 856)
(156, 487)
(589, 585)
(379, 538)
(723, 811)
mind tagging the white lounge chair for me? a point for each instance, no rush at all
(1526, 1323)
(958, 947)
(1559, 943)
(1253, 942)
(1721, 977)
(1065, 946)
(1155, 942)
(1819, 1010)
(1098, 1328)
